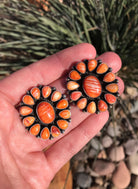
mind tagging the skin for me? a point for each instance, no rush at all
(23, 164)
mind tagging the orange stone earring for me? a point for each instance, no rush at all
(92, 86)
(45, 112)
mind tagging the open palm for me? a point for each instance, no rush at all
(23, 163)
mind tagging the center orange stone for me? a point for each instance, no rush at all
(45, 112)
(92, 86)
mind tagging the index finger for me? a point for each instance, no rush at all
(44, 71)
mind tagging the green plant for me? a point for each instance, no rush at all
(28, 33)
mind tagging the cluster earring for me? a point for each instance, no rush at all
(91, 85)
(45, 112)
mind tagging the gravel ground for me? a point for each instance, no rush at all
(110, 159)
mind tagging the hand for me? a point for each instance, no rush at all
(23, 164)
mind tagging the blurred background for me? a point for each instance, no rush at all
(31, 30)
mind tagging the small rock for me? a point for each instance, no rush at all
(131, 146)
(121, 177)
(84, 180)
(91, 172)
(94, 174)
(106, 185)
(98, 134)
(80, 156)
(96, 144)
(92, 153)
(80, 167)
(99, 181)
(133, 163)
(102, 155)
(113, 131)
(106, 141)
(134, 108)
(117, 153)
(132, 91)
(103, 167)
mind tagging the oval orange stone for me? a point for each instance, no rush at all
(74, 75)
(28, 121)
(35, 129)
(56, 96)
(102, 68)
(72, 85)
(46, 91)
(113, 88)
(102, 106)
(92, 86)
(45, 134)
(91, 107)
(111, 99)
(62, 124)
(92, 64)
(75, 95)
(81, 67)
(35, 92)
(45, 112)
(25, 110)
(109, 77)
(82, 103)
(66, 114)
(27, 99)
(62, 104)
(55, 131)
